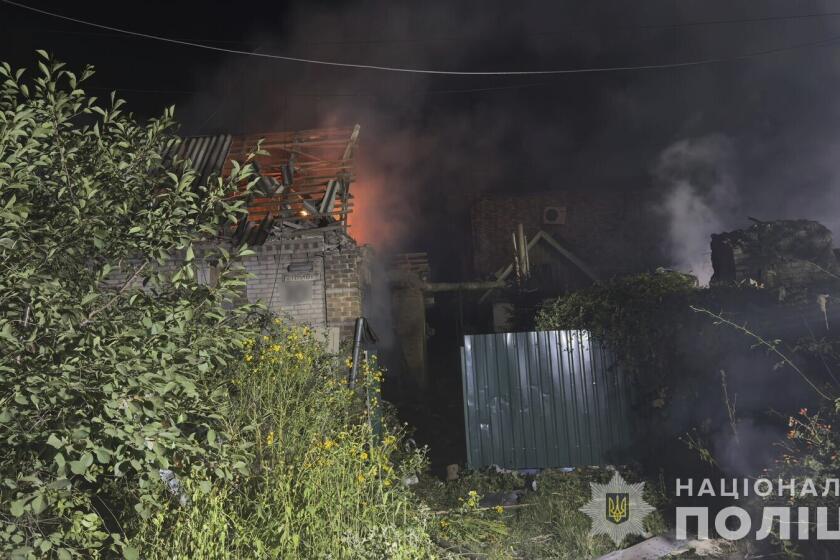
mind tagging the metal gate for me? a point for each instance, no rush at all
(543, 399)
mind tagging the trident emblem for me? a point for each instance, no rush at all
(618, 507)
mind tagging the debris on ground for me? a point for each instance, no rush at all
(667, 547)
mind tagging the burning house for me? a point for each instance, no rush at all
(306, 265)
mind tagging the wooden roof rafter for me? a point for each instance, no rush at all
(309, 174)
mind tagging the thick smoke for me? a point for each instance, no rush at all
(431, 144)
(700, 198)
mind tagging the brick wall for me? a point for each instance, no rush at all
(301, 279)
(344, 287)
(606, 230)
(288, 276)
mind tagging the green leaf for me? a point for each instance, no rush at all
(38, 504)
(103, 455)
(80, 467)
(130, 553)
(54, 441)
(16, 508)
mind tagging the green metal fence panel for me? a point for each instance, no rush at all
(543, 399)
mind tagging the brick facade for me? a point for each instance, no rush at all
(606, 230)
(344, 283)
(287, 275)
(308, 280)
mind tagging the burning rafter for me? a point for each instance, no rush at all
(307, 176)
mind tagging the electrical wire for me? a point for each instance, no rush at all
(592, 70)
(676, 25)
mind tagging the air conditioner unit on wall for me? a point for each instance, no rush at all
(554, 215)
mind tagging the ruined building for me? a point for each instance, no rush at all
(781, 254)
(306, 266)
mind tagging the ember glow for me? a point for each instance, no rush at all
(373, 221)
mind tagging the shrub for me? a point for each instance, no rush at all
(324, 485)
(635, 314)
(546, 523)
(111, 359)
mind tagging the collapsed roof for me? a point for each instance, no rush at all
(304, 180)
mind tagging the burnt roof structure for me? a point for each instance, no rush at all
(305, 178)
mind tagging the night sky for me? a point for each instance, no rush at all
(708, 145)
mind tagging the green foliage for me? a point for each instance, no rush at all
(811, 451)
(637, 315)
(112, 354)
(546, 523)
(322, 484)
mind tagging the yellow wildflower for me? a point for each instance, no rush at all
(329, 444)
(276, 347)
(500, 509)
(248, 357)
(360, 478)
(386, 483)
(363, 456)
(269, 440)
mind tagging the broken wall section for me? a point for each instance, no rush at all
(779, 254)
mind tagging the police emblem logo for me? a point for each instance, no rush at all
(617, 509)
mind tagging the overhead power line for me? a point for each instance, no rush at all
(437, 39)
(590, 70)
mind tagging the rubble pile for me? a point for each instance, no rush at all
(775, 254)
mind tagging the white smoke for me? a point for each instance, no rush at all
(700, 198)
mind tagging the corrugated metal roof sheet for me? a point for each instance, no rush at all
(543, 399)
(208, 154)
